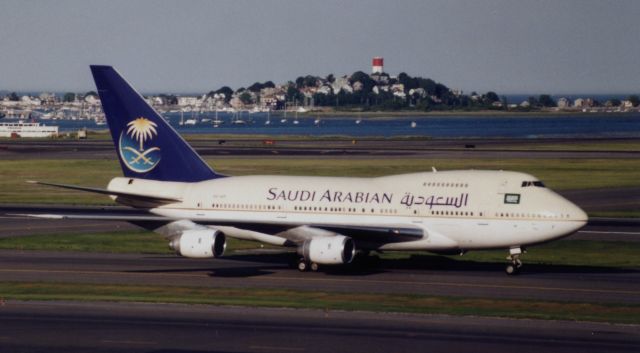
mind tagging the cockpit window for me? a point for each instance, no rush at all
(538, 184)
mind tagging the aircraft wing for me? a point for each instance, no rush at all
(296, 233)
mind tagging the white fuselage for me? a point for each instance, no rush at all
(456, 210)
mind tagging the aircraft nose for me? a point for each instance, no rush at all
(577, 216)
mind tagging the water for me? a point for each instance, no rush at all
(591, 125)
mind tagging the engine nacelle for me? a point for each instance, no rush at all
(334, 250)
(200, 243)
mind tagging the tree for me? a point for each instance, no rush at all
(14, 97)
(169, 99)
(245, 98)
(91, 93)
(491, 97)
(227, 91)
(358, 76)
(256, 87)
(428, 85)
(330, 78)
(293, 94)
(310, 81)
(69, 97)
(545, 100)
(615, 102)
(634, 99)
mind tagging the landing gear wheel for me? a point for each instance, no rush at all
(314, 267)
(512, 270)
(302, 265)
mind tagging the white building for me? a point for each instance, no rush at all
(564, 103)
(187, 101)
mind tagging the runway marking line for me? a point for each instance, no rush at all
(597, 232)
(140, 343)
(441, 284)
(277, 349)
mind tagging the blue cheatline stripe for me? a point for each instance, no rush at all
(148, 147)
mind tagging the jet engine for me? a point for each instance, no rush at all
(199, 244)
(333, 250)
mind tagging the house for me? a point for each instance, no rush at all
(324, 89)
(418, 92)
(564, 103)
(341, 84)
(187, 101)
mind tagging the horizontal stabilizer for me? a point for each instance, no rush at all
(94, 217)
(128, 195)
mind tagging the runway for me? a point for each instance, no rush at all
(108, 327)
(423, 275)
(347, 148)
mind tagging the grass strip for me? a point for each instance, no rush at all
(586, 253)
(254, 297)
(122, 242)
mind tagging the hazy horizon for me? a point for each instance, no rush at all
(555, 47)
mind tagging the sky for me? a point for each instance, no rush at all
(507, 46)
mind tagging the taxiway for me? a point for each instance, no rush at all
(129, 327)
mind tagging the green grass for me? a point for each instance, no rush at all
(324, 300)
(141, 242)
(560, 253)
(137, 241)
(575, 253)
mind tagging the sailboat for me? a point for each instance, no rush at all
(238, 118)
(284, 119)
(268, 121)
(216, 121)
(295, 119)
(193, 120)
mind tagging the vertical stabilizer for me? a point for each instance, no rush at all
(148, 147)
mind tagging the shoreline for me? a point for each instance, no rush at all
(456, 114)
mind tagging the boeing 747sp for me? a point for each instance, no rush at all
(327, 219)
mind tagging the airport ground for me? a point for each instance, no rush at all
(604, 179)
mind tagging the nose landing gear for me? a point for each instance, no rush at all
(514, 265)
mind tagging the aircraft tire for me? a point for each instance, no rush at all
(512, 270)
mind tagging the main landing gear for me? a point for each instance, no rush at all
(514, 265)
(304, 265)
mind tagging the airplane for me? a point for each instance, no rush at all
(326, 219)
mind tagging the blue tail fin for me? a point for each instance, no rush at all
(147, 146)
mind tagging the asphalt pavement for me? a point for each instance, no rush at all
(160, 328)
